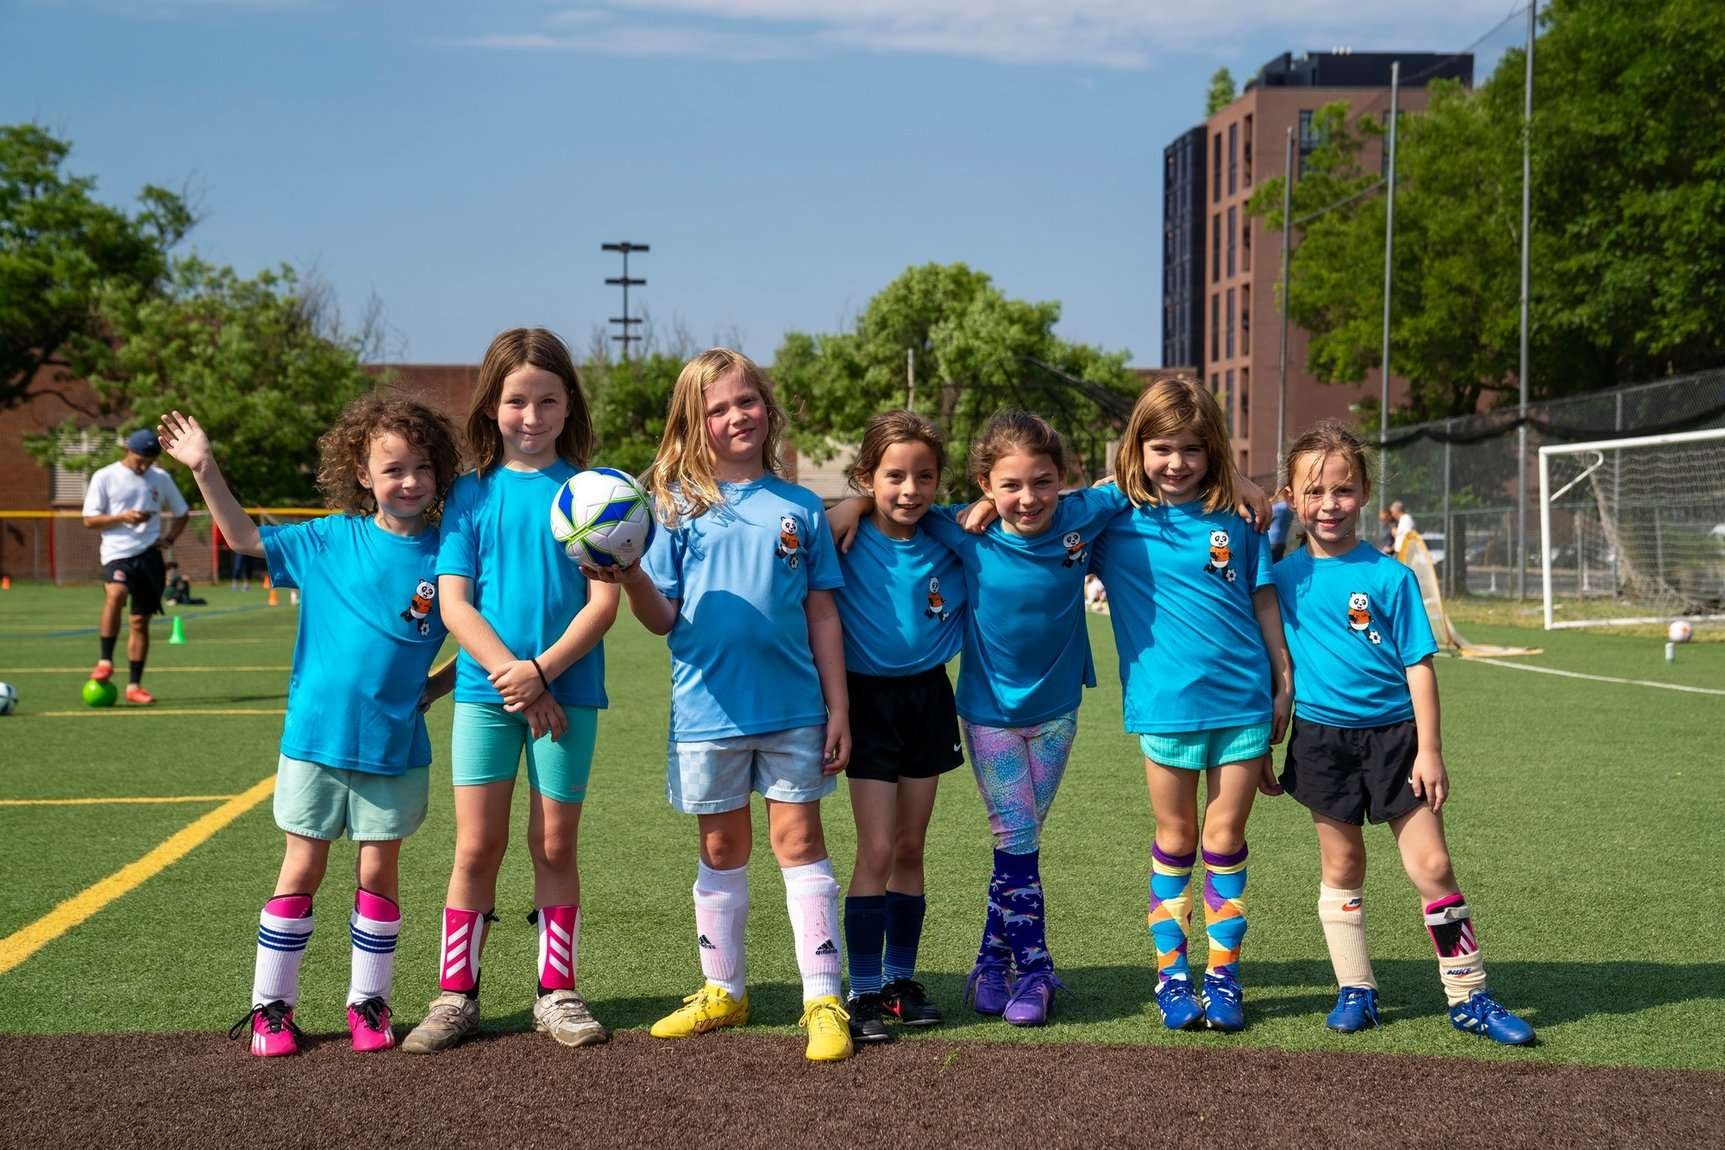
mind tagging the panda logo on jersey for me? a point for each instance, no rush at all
(1221, 557)
(936, 608)
(1360, 618)
(419, 608)
(790, 547)
(1074, 544)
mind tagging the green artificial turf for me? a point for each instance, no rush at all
(1585, 825)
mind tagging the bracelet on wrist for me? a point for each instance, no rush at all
(543, 681)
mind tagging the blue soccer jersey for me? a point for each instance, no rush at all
(1026, 648)
(741, 574)
(1354, 623)
(902, 604)
(369, 629)
(1180, 583)
(497, 533)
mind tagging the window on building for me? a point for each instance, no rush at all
(1233, 155)
(1246, 154)
(1228, 399)
(1215, 247)
(1233, 231)
(1215, 324)
(1310, 137)
(1245, 245)
(1245, 397)
(1246, 320)
(1230, 340)
(69, 484)
(1216, 168)
(1215, 385)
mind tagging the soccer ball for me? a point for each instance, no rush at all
(1680, 631)
(603, 518)
(100, 693)
(8, 698)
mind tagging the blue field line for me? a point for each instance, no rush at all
(163, 619)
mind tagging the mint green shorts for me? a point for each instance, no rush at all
(319, 802)
(487, 744)
(1201, 750)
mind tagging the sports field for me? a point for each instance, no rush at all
(1586, 823)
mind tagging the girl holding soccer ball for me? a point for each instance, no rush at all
(1366, 745)
(530, 680)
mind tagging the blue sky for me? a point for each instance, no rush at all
(785, 159)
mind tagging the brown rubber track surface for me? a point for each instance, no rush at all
(735, 1090)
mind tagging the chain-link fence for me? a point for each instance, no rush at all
(1457, 477)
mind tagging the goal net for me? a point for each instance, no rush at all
(1417, 558)
(1633, 530)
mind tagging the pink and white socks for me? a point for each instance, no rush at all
(721, 913)
(812, 897)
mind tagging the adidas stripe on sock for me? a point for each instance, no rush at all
(373, 928)
(721, 914)
(559, 944)
(284, 928)
(464, 934)
(812, 897)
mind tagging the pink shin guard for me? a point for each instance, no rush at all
(463, 939)
(559, 938)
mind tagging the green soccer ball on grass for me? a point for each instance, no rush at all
(100, 693)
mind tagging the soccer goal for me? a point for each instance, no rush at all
(1633, 530)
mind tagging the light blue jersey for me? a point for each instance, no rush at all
(1354, 625)
(497, 533)
(741, 575)
(1026, 649)
(902, 604)
(1180, 583)
(369, 629)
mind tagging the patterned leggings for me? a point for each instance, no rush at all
(1018, 770)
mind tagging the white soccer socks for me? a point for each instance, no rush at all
(1343, 915)
(812, 897)
(721, 913)
(374, 926)
(284, 928)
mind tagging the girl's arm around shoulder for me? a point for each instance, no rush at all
(844, 517)
(1430, 778)
(656, 612)
(439, 683)
(826, 643)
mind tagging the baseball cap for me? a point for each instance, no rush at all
(143, 442)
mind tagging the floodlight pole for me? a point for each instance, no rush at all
(1389, 264)
(1287, 254)
(1526, 222)
(625, 320)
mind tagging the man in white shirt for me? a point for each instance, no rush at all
(125, 503)
(1404, 523)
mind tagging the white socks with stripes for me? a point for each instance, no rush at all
(284, 928)
(373, 927)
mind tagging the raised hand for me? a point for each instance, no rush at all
(184, 439)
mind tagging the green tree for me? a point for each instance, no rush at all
(262, 362)
(60, 249)
(976, 351)
(1221, 92)
(1628, 242)
(629, 399)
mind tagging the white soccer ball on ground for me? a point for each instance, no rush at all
(1680, 631)
(8, 698)
(603, 518)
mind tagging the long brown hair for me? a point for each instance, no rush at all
(1324, 439)
(681, 477)
(516, 348)
(345, 450)
(886, 429)
(1166, 408)
(1016, 433)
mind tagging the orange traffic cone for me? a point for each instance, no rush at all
(5, 582)
(274, 599)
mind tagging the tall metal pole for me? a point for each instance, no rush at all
(1526, 219)
(1287, 252)
(625, 320)
(1389, 263)
(910, 379)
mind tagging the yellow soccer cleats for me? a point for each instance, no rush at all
(709, 1008)
(829, 1030)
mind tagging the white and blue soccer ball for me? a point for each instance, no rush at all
(8, 698)
(603, 518)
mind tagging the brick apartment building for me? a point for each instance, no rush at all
(1221, 269)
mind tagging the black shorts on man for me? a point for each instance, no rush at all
(144, 576)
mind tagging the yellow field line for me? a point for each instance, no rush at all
(105, 802)
(21, 944)
(154, 670)
(97, 712)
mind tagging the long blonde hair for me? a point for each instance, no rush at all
(681, 477)
(1166, 408)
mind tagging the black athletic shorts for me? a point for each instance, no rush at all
(1352, 774)
(143, 575)
(903, 727)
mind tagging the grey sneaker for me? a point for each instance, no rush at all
(564, 1015)
(450, 1018)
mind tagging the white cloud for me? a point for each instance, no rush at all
(1101, 33)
